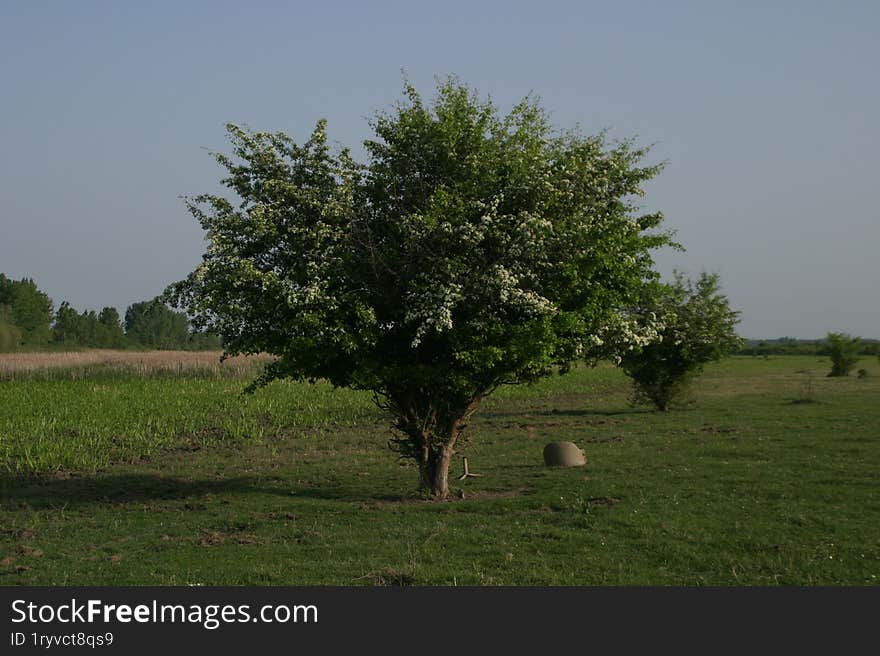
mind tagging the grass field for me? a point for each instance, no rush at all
(149, 477)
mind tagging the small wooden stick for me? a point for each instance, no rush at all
(467, 473)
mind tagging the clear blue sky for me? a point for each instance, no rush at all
(767, 113)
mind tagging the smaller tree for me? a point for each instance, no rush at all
(112, 332)
(843, 350)
(696, 326)
(68, 325)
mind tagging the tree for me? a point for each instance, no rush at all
(472, 250)
(154, 324)
(697, 327)
(31, 309)
(843, 350)
(68, 325)
(112, 332)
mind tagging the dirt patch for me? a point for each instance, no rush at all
(709, 428)
(603, 501)
(19, 533)
(217, 538)
(484, 495)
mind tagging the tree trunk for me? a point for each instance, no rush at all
(430, 437)
(434, 472)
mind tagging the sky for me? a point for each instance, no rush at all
(766, 114)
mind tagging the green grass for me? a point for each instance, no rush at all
(158, 481)
(84, 425)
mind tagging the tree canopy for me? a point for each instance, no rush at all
(471, 250)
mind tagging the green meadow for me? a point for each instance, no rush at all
(768, 477)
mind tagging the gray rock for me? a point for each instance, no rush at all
(564, 454)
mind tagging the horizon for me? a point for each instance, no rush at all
(122, 310)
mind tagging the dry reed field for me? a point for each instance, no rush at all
(74, 364)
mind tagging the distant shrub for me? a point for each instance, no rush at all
(863, 373)
(843, 350)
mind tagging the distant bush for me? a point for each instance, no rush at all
(843, 350)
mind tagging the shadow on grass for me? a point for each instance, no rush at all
(803, 401)
(45, 492)
(593, 413)
(523, 415)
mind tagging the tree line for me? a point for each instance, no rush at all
(793, 346)
(29, 321)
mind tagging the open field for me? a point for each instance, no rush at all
(117, 478)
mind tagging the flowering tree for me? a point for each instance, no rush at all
(472, 250)
(696, 326)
